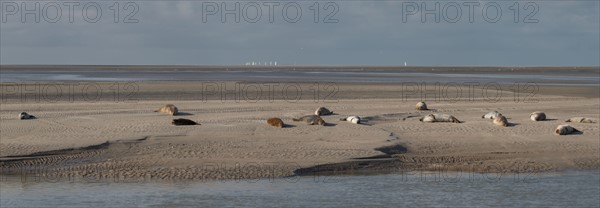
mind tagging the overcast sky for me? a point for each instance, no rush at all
(366, 33)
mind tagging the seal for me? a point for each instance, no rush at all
(421, 106)
(537, 116)
(500, 121)
(431, 118)
(168, 109)
(276, 122)
(25, 116)
(311, 120)
(351, 119)
(183, 122)
(565, 129)
(580, 120)
(322, 111)
(491, 115)
(428, 118)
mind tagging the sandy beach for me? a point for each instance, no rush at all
(122, 137)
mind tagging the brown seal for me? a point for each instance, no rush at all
(500, 121)
(276, 122)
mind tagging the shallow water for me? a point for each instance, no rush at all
(422, 189)
(294, 76)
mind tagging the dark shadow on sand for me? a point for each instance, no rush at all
(512, 124)
(376, 164)
(411, 116)
(393, 149)
(574, 133)
(70, 151)
(374, 157)
(288, 126)
(183, 114)
(388, 151)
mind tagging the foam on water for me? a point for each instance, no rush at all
(269, 76)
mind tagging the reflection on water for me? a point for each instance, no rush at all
(565, 189)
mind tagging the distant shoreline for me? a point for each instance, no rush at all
(553, 76)
(435, 69)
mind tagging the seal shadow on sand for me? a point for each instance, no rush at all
(428, 110)
(510, 124)
(574, 133)
(288, 125)
(183, 114)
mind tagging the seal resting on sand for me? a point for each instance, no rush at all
(276, 122)
(538, 116)
(421, 106)
(322, 111)
(431, 118)
(25, 115)
(351, 119)
(428, 118)
(311, 120)
(500, 121)
(491, 115)
(168, 109)
(580, 120)
(183, 122)
(565, 129)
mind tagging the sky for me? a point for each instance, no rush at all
(372, 32)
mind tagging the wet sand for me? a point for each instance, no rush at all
(116, 134)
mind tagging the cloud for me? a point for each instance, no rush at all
(369, 33)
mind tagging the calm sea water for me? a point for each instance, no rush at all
(294, 76)
(564, 189)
